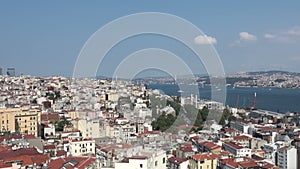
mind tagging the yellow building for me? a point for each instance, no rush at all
(204, 161)
(23, 120)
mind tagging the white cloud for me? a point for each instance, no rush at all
(290, 35)
(245, 36)
(269, 36)
(203, 39)
(295, 31)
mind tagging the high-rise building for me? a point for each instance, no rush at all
(287, 157)
(11, 71)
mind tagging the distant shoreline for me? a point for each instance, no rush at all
(274, 99)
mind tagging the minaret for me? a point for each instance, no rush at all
(254, 101)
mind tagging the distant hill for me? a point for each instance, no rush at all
(272, 72)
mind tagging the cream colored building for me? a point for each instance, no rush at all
(80, 147)
(76, 114)
(90, 128)
(24, 120)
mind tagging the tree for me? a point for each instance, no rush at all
(163, 122)
(204, 113)
(59, 125)
(226, 116)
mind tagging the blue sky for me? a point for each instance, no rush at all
(45, 38)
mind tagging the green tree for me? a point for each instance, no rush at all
(226, 116)
(204, 113)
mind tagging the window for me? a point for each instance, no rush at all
(141, 165)
(164, 160)
(155, 163)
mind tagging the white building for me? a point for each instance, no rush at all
(157, 160)
(287, 158)
(214, 105)
(80, 147)
(49, 130)
(237, 149)
(271, 150)
(240, 126)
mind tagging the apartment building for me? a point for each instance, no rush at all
(237, 149)
(287, 158)
(204, 161)
(25, 121)
(80, 147)
(157, 160)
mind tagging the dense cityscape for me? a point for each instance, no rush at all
(57, 122)
(149, 84)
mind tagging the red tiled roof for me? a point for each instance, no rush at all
(29, 136)
(5, 165)
(229, 130)
(29, 159)
(186, 149)
(247, 164)
(229, 162)
(49, 147)
(177, 161)
(241, 137)
(19, 152)
(2, 138)
(61, 153)
(50, 116)
(266, 128)
(234, 145)
(202, 157)
(26, 160)
(83, 162)
(211, 145)
(40, 159)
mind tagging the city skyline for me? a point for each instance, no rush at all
(44, 39)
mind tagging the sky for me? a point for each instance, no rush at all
(44, 38)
